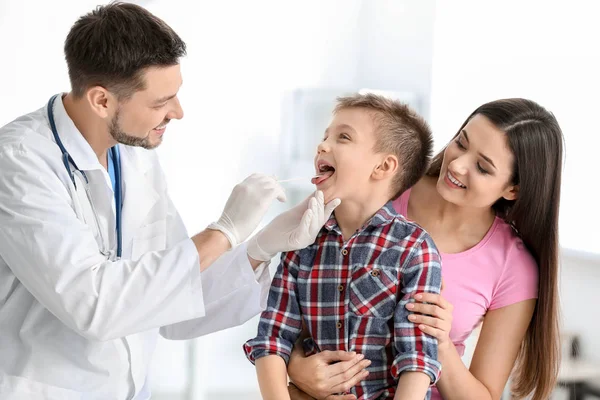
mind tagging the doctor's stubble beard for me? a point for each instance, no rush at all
(124, 138)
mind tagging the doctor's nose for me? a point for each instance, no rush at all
(177, 111)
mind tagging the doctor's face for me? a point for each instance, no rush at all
(142, 119)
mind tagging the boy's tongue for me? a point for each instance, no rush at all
(321, 177)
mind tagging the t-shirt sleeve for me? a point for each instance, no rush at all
(519, 280)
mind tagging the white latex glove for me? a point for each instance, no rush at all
(246, 207)
(294, 229)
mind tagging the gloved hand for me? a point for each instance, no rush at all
(246, 206)
(294, 229)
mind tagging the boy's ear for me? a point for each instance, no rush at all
(387, 168)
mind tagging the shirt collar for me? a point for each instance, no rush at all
(384, 216)
(78, 148)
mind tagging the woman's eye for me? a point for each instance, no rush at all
(480, 168)
(460, 145)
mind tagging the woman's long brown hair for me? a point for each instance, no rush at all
(536, 141)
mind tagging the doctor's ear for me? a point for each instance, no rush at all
(387, 167)
(100, 101)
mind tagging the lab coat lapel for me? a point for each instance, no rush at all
(140, 195)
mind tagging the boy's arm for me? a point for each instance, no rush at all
(281, 323)
(412, 385)
(272, 378)
(415, 350)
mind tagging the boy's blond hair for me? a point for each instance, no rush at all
(400, 131)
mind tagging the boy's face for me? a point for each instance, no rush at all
(345, 158)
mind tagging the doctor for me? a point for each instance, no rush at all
(94, 259)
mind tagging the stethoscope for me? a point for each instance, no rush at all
(66, 158)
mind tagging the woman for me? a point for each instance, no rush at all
(490, 201)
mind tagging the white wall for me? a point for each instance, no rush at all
(580, 297)
(397, 47)
(33, 67)
(546, 51)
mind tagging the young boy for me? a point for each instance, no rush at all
(351, 287)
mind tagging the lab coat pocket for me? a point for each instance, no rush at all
(372, 291)
(145, 245)
(150, 237)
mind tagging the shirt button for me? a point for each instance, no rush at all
(375, 273)
(341, 288)
(339, 325)
(345, 252)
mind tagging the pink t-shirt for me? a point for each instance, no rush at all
(497, 272)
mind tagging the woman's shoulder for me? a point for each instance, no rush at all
(506, 239)
(518, 280)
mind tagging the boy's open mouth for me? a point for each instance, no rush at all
(325, 172)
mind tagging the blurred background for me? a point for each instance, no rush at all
(260, 80)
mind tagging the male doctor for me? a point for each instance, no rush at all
(94, 259)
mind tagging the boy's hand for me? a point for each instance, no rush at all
(294, 229)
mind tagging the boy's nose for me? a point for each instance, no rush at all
(323, 147)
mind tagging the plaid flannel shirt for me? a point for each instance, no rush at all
(352, 296)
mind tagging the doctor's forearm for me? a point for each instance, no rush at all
(210, 244)
(456, 381)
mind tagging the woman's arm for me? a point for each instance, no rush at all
(501, 337)
(495, 354)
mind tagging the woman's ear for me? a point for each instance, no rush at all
(388, 167)
(511, 192)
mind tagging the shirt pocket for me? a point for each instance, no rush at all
(372, 291)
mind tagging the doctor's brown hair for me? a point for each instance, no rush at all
(113, 45)
(401, 132)
(536, 141)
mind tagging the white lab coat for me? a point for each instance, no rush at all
(74, 325)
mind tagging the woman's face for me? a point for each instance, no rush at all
(477, 166)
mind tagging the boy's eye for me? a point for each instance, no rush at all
(158, 107)
(344, 136)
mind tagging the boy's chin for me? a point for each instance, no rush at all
(330, 195)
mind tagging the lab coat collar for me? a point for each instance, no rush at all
(79, 149)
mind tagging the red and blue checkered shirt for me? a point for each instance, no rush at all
(351, 296)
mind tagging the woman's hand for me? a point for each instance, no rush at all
(434, 318)
(324, 374)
